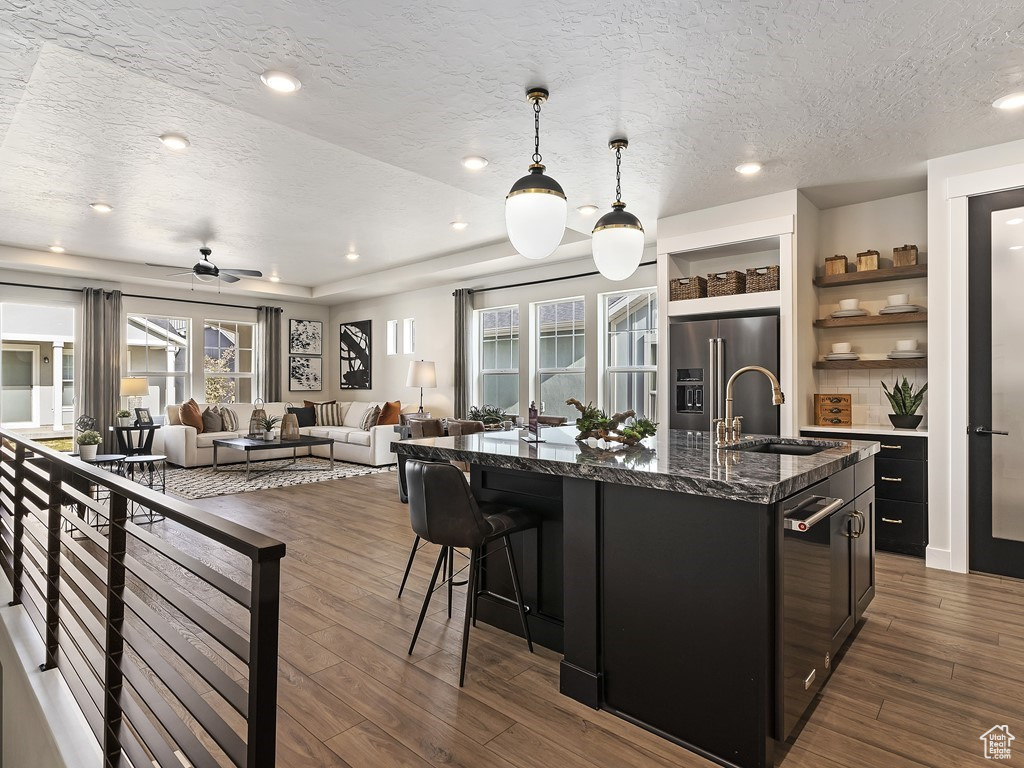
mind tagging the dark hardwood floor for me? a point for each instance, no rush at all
(939, 661)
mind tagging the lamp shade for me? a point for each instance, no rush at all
(133, 386)
(421, 374)
(618, 243)
(535, 214)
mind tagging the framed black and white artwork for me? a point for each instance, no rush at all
(305, 374)
(356, 354)
(305, 337)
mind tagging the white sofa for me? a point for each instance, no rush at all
(185, 447)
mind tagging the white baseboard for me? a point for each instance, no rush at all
(940, 559)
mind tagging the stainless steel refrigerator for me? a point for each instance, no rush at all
(703, 354)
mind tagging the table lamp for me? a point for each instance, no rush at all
(421, 374)
(134, 388)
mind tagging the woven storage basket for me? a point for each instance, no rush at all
(726, 283)
(763, 279)
(695, 287)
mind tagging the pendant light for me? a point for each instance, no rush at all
(618, 236)
(535, 208)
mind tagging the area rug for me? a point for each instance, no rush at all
(203, 482)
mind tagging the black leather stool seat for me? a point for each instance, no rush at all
(505, 520)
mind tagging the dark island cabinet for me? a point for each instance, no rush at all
(901, 490)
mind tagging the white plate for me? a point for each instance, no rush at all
(901, 355)
(850, 313)
(836, 358)
(899, 310)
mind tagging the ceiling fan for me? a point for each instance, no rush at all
(206, 271)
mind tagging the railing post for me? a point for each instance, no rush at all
(113, 676)
(56, 497)
(263, 623)
(18, 549)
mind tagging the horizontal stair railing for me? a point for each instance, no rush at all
(166, 634)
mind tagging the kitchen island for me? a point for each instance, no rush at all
(697, 592)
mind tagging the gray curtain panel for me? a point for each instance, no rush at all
(463, 350)
(270, 340)
(102, 330)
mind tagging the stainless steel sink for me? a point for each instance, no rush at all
(787, 448)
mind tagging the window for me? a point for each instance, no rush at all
(561, 362)
(158, 351)
(498, 331)
(631, 352)
(228, 361)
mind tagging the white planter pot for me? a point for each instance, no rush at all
(124, 421)
(87, 452)
(268, 435)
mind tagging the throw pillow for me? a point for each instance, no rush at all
(190, 415)
(390, 412)
(212, 419)
(229, 419)
(354, 415)
(370, 418)
(328, 414)
(305, 416)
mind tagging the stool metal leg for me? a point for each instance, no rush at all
(426, 599)
(408, 566)
(519, 593)
(470, 599)
(451, 577)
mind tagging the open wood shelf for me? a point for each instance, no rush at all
(870, 320)
(872, 276)
(919, 362)
(740, 302)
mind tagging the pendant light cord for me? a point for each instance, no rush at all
(618, 174)
(536, 131)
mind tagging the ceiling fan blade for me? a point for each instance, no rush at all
(228, 278)
(180, 274)
(168, 266)
(243, 272)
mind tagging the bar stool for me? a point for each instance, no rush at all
(443, 511)
(418, 428)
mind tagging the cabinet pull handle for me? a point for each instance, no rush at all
(892, 479)
(890, 520)
(835, 410)
(893, 447)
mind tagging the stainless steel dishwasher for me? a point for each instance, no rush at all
(806, 593)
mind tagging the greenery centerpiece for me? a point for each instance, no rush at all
(88, 443)
(124, 418)
(267, 424)
(905, 402)
(594, 425)
(490, 415)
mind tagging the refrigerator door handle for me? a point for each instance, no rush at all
(720, 376)
(711, 384)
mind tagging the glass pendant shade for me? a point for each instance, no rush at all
(535, 214)
(618, 243)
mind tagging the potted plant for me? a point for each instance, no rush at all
(267, 424)
(905, 402)
(88, 443)
(124, 418)
(490, 415)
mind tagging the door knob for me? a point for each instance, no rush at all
(984, 431)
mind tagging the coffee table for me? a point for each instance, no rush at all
(249, 445)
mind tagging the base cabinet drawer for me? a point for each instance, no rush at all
(901, 480)
(901, 526)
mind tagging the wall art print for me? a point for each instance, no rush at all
(356, 353)
(305, 374)
(305, 337)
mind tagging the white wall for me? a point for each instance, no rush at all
(950, 180)
(434, 312)
(879, 225)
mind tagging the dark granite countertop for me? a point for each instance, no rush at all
(681, 461)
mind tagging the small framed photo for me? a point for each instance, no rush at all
(142, 417)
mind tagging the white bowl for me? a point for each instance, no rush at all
(898, 299)
(842, 348)
(845, 304)
(906, 345)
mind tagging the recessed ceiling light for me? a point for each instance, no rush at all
(352, 256)
(1010, 101)
(1016, 247)
(175, 141)
(275, 279)
(101, 207)
(459, 225)
(1014, 222)
(474, 163)
(57, 248)
(588, 210)
(748, 169)
(281, 82)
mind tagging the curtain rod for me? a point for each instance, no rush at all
(546, 280)
(130, 295)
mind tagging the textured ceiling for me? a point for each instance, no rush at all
(366, 155)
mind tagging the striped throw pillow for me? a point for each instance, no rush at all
(230, 419)
(329, 414)
(370, 418)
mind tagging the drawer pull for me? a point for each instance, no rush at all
(890, 520)
(892, 479)
(892, 447)
(835, 410)
(810, 679)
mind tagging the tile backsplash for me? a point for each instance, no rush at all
(870, 406)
